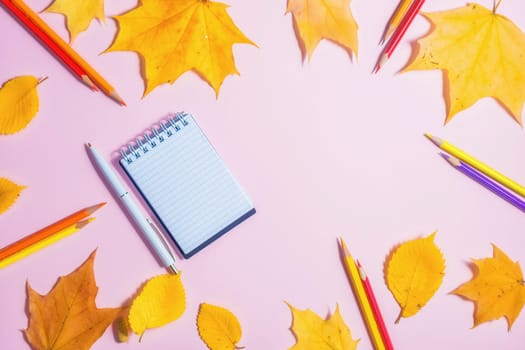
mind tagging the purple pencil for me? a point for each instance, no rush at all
(485, 181)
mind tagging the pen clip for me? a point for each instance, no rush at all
(162, 238)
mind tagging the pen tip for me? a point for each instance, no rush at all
(88, 144)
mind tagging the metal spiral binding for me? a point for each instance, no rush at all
(159, 133)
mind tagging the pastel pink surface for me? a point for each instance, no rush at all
(324, 148)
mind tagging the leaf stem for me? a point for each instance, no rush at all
(496, 4)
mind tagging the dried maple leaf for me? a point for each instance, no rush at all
(481, 53)
(161, 300)
(218, 327)
(79, 14)
(67, 317)
(312, 332)
(497, 288)
(414, 272)
(9, 193)
(18, 103)
(324, 19)
(177, 36)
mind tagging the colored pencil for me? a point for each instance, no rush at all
(481, 167)
(375, 307)
(398, 34)
(48, 231)
(362, 300)
(44, 243)
(396, 18)
(61, 49)
(485, 181)
(33, 28)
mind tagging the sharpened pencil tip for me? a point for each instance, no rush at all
(88, 144)
(83, 223)
(435, 140)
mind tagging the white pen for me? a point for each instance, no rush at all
(146, 226)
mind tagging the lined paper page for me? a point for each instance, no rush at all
(189, 187)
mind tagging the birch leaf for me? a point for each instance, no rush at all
(218, 327)
(9, 193)
(312, 332)
(324, 19)
(18, 103)
(174, 37)
(161, 301)
(481, 53)
(79, 14)
(67, 317)
(497, 288)
(414, 272)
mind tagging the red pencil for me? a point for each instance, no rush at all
(375, 307)
(48, 42)
(398, 34)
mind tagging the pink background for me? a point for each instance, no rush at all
(324, 149)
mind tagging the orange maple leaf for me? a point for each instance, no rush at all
(174, 37)
(324, 19)
(497, 289)
(67, 317)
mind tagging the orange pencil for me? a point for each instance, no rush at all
(48, 231)
(375, 307)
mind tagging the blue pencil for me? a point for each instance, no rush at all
(485, 181)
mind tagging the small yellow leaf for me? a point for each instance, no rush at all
(79, 14)
(328, 19)
(218, 327)
(312, 332)
(161, 301)
(481, 54)
(9, 192)
(18, 103)
(414, 272)
(497, 288)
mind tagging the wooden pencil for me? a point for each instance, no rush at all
(396, 19)
(398, 34)
(44, 243)
(46, 40)
(362, 300)
(51, 36)
(375, 307)
(47, 231)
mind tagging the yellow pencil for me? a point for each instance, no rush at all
(44, 243)
(473, 162)
(359, 291)
(93, 77)
(396, 18)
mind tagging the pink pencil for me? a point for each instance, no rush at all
(375, 307)
(398, 34)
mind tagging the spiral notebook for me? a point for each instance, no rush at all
(186, 183)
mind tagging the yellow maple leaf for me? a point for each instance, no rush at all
(481, 53)
(218, 327)
(324, 19)
(497, 288)
(414, 272)
(162, 300)
(79, 14)
(9, 193)
(312, 332)
(67, 317)
(18, 103)
(174, 37)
